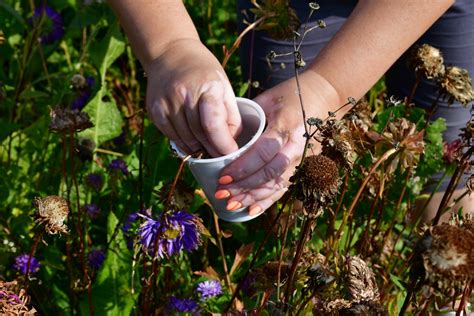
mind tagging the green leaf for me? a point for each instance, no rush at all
(106, 51)
(106, 117)
(112, 292)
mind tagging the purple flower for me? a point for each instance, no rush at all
(208, 289)
(55, 20)
(173, 233)
(127, 225)
(120, 140)
(94, 181)
(182, 305)
(92, 210)
(96, 257)
(84, 95)
(21, 264)
(118, 164)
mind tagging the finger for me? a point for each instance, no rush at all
(234, 120)
(261, 193)
(213, 116)
(263, 205)
(161, 121)
(260, 154)
(194, 122)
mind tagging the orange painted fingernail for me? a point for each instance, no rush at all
(225, 180)
(255, 210)
(233, 205)
(222, 194)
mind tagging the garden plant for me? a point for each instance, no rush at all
(99, 217)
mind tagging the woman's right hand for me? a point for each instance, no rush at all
(190, 99)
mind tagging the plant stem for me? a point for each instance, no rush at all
(221, 250)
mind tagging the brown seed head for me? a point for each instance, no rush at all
(360, 280)
(457, 83)
(426, 61)
(338, 144)
(13, 300)
(78, 81)
(52, 212)
(68, 121)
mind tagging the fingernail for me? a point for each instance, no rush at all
(255, 210)
(233, 205)
(222, 194)
(225, 180)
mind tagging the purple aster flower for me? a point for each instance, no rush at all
(92, 210)
(119, 164)
(182, 305)
(21, 264)
(94, 181)
(96, 257)
(173, 233)
(84, 95)
(56, 29)
(208, 289)
(127, 225)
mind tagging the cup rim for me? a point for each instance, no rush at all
(254, 138)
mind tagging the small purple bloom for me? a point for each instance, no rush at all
(92, 210)
(120, 140)
(94, 181)
(84, 95)
(209, 289)
(119, 164)
(182, 305)
(21, 264)
(176, 232)
(96, 258)
(56, 21)
(127, 225)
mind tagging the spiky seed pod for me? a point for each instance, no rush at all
(316, 182)
(426, 61)
(52, 211)
(456, 83)
(281, 20)
(360, 280)
(67, 121)
(14, 300)
(78, 82)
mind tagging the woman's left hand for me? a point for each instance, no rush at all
(261, 176)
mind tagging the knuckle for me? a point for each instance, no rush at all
(264, 154)
(270, 173)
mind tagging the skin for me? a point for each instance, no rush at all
(190, 99)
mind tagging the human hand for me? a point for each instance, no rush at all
(261, 176)
(190, 99)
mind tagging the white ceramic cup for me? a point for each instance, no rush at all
(207, 171)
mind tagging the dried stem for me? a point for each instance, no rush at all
(221, 250)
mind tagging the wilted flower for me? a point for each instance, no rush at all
(21, 264)
(84, 94)
(96, 257)
(182, 305)
(94, 181)
(426, 61)
(360, 280)
(52, 212)
(280, 20)
(92, 210)
(173, 233)
(457, 83)
(120, 165)
(451, 151)
(337, 143)
(66, 120)
(209, 289)
(55, 21)
(467, 134)
(316, 182)
(13, 300)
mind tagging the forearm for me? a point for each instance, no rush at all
(151, 25)
(374, 36)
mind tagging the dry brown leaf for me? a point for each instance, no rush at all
(240, 256)
(209, 273)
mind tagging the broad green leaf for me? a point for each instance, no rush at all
(112, 293)
(106, 118)
(105, 52)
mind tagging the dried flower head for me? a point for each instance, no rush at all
(402, 134)
(451, 151)
(456, 84)
(426, 61)
(360, 280)
(338, 144)
(52, 211)
(68, 121)
(14, 300)
(280, 20)
(316, 182)
(78, 81)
